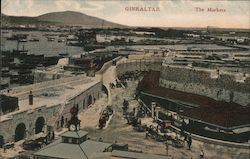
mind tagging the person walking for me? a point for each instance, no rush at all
(201, 154)
(53, 135)
(189, 141)
(100, 139)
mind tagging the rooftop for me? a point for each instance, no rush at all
(50, 93)
(136, 155)
(73, 151)
(75, 134)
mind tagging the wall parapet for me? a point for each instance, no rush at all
(42, 84)
(219, 85)
(107, 65)
(209, 78)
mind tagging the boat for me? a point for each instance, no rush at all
(22, 40)
(17, 37)
(90, 47)
(34, 40)
(63, 35)
(61, 40)
(20, 51)
(63, 54)
(51, 39)
(5, 32)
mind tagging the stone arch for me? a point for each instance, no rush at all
(1, 141)
(40, 122)
(20, 132)
(62, 121)
(89, 100)
(105, 89)
(83, 104)
(66, 120)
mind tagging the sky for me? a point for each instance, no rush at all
(172, 13)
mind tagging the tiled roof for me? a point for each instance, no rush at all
(75, 134)
(72, 151)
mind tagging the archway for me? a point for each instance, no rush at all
(40, 122)
(20, 132)
(1, 141)
(89, 100)
(62, 121)
(83, 104)
(105, 90)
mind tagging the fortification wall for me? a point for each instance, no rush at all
(42, 84)
(217, 85)
(138, 65)
(22, 91)
(220, 86)
(83, 99)
(28, 118)
(208, 78)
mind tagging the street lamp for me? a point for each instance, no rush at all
(167, 148)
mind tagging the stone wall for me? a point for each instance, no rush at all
(138, 65)
(208, 78)
(217, 85)
(25, 117)
(82, 99)
(220, 86)
(21, 89)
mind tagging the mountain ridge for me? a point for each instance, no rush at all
(60, 18)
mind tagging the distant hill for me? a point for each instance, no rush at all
(65, 18)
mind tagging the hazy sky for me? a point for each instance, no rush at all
(173, 13)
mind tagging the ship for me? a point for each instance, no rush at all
(17, 37)
(91, 47)
(34, 40)
(22, 40)
(63, 54)
(61, 40)
(51, 39)
(18, 66)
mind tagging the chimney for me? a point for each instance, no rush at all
(30, 98)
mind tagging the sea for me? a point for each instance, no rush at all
(54, 48)
(42, 47)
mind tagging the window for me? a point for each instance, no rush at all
(70, 140)
(74, 141)
(65, 140)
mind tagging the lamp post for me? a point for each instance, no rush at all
(157, 109)
(167, 147)
(153, 105)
